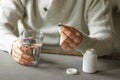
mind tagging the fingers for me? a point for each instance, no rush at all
(70, 37)
(20, 46)
(64, 42)
(22, 59)
(20, 54)
(71, 33)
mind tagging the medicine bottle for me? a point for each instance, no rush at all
(89, 61)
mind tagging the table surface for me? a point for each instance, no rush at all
(53, 67)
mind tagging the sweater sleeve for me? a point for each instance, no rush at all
(10, 12)
(99, 22)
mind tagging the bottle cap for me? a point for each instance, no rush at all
(71, 71)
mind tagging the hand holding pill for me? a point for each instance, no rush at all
(70, 37)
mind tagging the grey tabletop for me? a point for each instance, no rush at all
(53, 67)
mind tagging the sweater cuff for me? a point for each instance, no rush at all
(11, 44)
(85, 44)
(7, 42)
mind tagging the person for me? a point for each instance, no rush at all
(85, 24)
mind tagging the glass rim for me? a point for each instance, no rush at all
(33, 31)
(26, 32)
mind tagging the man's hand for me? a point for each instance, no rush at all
(20, 53)
(70, 37)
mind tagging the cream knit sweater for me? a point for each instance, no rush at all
(91, 17)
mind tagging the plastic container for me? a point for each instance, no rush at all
(89, 61)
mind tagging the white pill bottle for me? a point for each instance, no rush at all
(89, 61)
